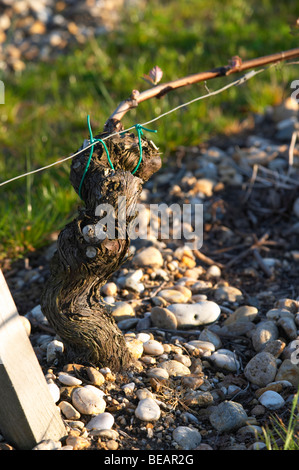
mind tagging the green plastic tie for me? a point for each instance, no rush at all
(139, 128)
(92, 141)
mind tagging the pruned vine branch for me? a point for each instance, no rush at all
(236, 65)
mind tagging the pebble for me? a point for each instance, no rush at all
(108, 434)
(228, 416)
(244, 313)
(67, 379)
(199, 398)
(265, 331)
(187, 438)
(135, 347)
(271, 400)
(95, 376)
(100, 422)
(110, 289)
(225, 359)
(54, 391)
(149, 257)
(153, 347)
(68, 410)
(261, 369)
(175, 368)
(54, 349)
(163, 318)
(147, 410)
(87, 402)
(173, 296)
(183, 359)
(129, 388)
(159, 373)
(203, 345)
(78, 442)
(228, 293)
(210, 337)
(48, 444)
(200, 313)
(122, 311)
(288, 326)
(289, 370)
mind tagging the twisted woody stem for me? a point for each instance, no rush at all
(84, 261)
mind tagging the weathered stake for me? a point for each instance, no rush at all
(28, 413)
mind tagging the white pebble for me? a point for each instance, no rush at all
(54, 348)
(67, 379)
(147, 410)
(158, 373)
(101, 421)
(153, 348)
(200, 313)
(271, 400)
(128, 388)
(54, 391)
(88, 402)
(225, 359)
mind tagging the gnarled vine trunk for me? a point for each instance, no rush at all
(83, 262)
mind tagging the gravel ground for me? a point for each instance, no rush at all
(214, 384)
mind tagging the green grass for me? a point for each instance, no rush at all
(278, 436)
(44, 116)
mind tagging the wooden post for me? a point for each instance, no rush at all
(28, 413)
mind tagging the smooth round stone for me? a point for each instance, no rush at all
(261, 369)
(67, 379)
(87, 402)
(265, 331)
(129, 388)
(227, 416)
(101, 421)
(147, 410)
(225, 359)
(173, 296)
(143, 393)
(210, 337)
(289, 327)
(214, 271)
(122, 311)
(150, 256)
(109, 289)
(48, 444)
(289, 370)
(108, 434)
(204, 345)
(54, 348)
(153, 348)
(187, 438)
(241, 314)
(68, 410)
(163, 318)
(158, 373)
(135, 347)
(183, 359)
(95, 390)
(54, 391)
(95, 376)
(228, 293)
(271, 400)
(144, 337)
(200, 313)
(175, 368)
(127, 324)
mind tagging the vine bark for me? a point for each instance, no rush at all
(83, 261)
